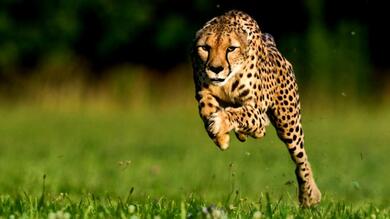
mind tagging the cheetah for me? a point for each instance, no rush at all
(243, 83)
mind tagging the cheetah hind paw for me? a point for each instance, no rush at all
(312, 197)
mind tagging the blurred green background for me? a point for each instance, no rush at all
(98, 95)
(83, 50)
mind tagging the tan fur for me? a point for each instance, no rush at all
(242, 84)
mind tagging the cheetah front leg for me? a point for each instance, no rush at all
(290, 131)
(208, 106)
(245, 120)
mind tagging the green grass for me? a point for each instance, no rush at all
(161, 163)
(62, 206)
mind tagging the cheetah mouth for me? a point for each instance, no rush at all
(217, 80)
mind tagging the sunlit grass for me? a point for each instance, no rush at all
(94, 158)
(92, 206)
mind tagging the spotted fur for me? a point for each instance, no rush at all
(242, 84)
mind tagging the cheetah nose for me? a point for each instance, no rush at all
(216, 70)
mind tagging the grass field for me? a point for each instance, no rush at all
(159, 163)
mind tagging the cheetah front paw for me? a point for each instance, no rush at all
(258, 133)
(219, 128)
(241, 136)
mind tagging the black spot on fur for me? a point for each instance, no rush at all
(300, 155)
(292, 149)
(244, 93)
(234, 85)
(277, 63)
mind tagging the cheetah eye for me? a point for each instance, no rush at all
(231, 48)
(205, 47)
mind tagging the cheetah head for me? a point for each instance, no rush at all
(220, 51)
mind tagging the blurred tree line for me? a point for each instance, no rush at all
(335, 45)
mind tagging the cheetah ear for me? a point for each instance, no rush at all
(264, 48)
